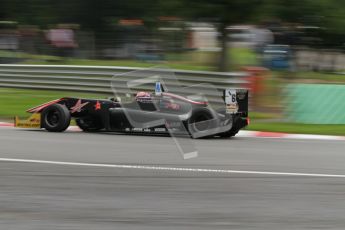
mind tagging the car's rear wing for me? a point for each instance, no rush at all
(236, 101)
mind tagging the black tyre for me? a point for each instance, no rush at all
(229, 133)
(56, 118)
(89, 124)
(234, 130)
(196, 124)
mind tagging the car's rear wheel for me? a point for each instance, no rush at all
(229, 133)
(234, 130)
(197, 123)
(56, 118)
(89, 124)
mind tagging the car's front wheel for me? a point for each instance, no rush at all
(56, 118)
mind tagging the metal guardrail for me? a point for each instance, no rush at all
(98, 79)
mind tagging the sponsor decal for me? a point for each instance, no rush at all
(146, 130)
(172, 106)
(97, 105)
(78, 106)
(241, 94)
(232, 108)
(32, 122)
(35, 120)
(27, 125)
(231, 101)
(158, 89)
(160, 130)
(174, 124)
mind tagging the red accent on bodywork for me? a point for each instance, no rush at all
(97, 106)
(39, 108)
(78, 106)
(173, 106)
(186, 99)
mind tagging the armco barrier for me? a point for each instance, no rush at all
(97, 79)
(315, 103)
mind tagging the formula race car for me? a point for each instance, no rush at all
(152, 113)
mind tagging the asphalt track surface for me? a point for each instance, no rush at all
(153, 191)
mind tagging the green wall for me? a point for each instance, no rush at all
(315, 103)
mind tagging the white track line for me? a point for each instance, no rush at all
(158, 168)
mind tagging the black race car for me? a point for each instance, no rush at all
(151, 113)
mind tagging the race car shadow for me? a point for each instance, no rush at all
(128, 134)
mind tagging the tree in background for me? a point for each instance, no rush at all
(326, 17)
(222, 13)
(100, 16)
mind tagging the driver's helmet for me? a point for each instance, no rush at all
(143, 97)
